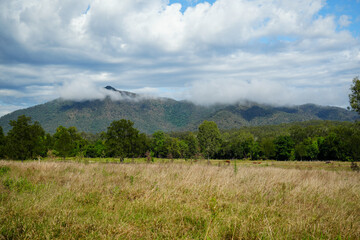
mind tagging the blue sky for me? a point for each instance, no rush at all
(270, 51)
(189, 3)
(349, 8)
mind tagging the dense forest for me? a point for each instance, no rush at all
(313, 140)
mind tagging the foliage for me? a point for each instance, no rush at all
(354, 96)
(122, 139)
(284, 147)
(96, 149)
(209, 138)
(354, 142)
(308, 149)
(158, 144)
(267, 148)
(150, 115)
(172, 147)
(68, 142)
(330, 147)
(322, 140)
(2, 143)
(192, 145)
(24, 140)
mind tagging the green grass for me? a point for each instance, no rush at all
(178, 200)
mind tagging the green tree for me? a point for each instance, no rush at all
(267, 148)
(2, 143)
(308, 149)
(330, 147)
(158, 144)
(79, 142)
(142, 144)
(172, 147)
(47, 144)
(63, 142)
(284, 147)
(24, 140)
(68, 142)
(354, 96)
(192, 145)
(121, 139)
(355, 142)
(243, 145)
(209, 138)
(96, 149)
(225, 150)
(184, 149)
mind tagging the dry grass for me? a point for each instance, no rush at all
(176, 201)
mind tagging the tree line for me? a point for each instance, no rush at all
(318, 141)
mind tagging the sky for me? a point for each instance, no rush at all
(281, 52)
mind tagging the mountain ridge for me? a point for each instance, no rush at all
(152, 114)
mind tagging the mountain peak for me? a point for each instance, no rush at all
(110, 88)
(123, 93)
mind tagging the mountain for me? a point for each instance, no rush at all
(151, 114)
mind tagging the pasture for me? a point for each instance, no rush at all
(178, 200)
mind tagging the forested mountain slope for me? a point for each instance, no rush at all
(151, 114)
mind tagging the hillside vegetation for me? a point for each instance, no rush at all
(175, 201)
(154, 114)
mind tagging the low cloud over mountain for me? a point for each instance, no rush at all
(152, 114)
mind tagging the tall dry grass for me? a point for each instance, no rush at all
(176, 201)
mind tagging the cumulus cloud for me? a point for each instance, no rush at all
(270, 51)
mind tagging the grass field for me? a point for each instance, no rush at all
(179, 200)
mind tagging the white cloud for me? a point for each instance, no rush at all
(344, 21)
(270, 51)
(80, 90)
(274, 93)
(116, 28)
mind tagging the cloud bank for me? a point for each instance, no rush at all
(277, 51)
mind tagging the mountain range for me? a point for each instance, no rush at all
(152, 114)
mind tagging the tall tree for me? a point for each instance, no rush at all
(68, 142)
(267, 148)
(192, 143)
(308, 149)
(142, 145)
(355, 142)
(63, 142)
(330, 147)
(284, 147)
(158, 144)
(121, 139)
(242, 144)
(354, 96)
(24, 140)
(172, 147)
(209, 138)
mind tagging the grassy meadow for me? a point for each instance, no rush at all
(179, 200)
